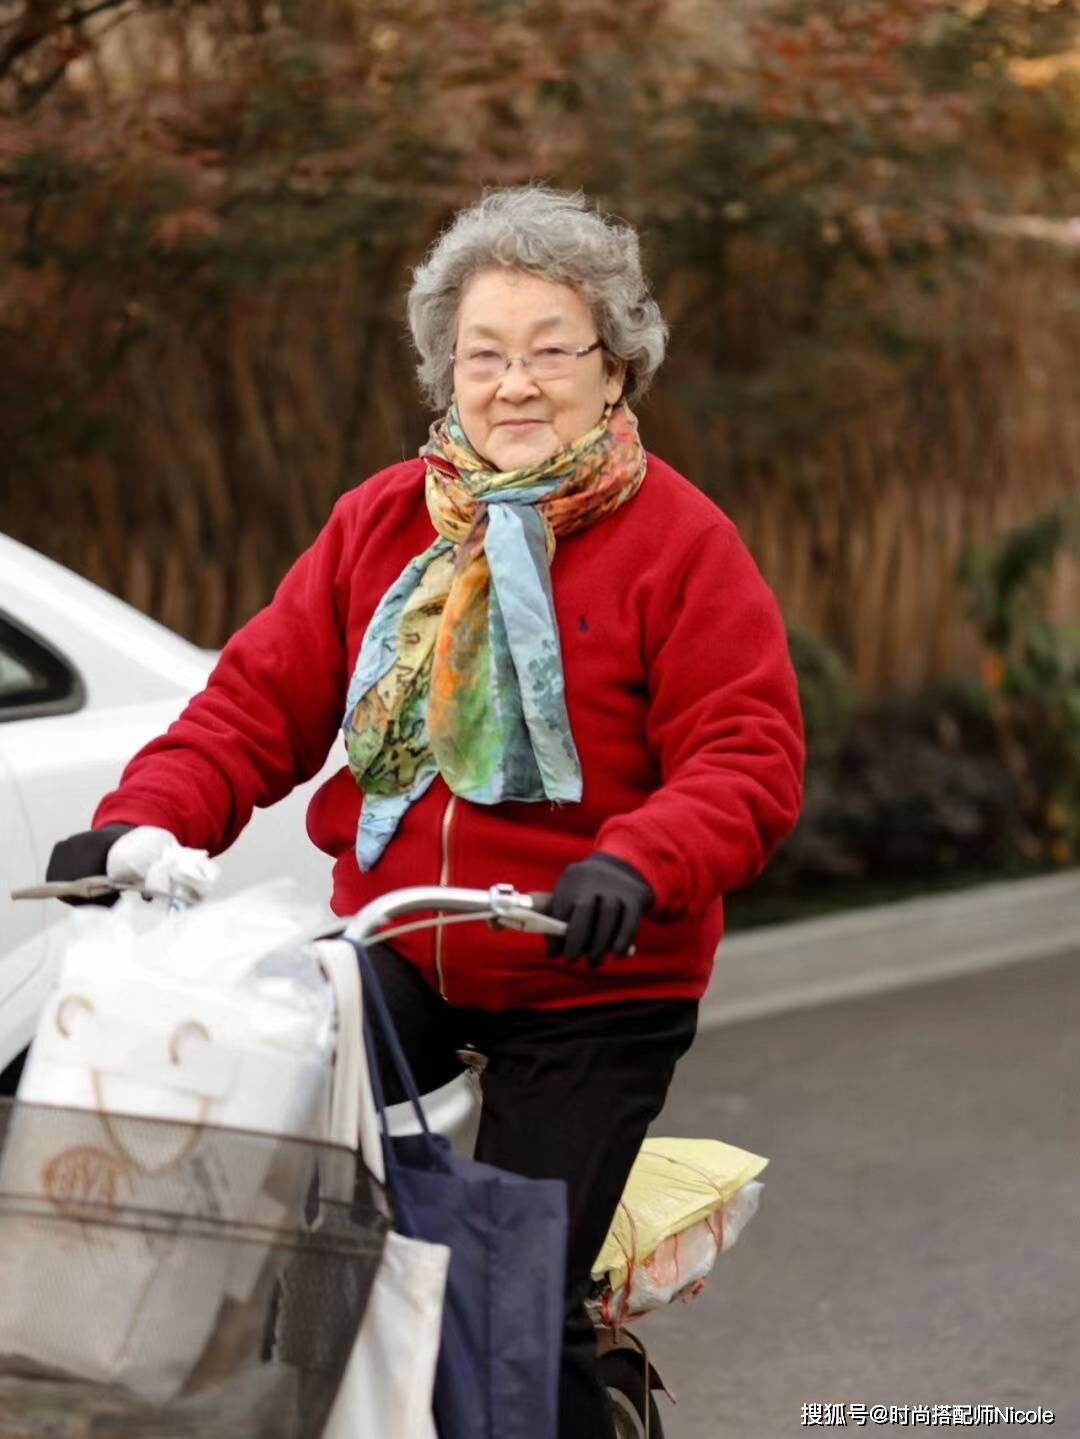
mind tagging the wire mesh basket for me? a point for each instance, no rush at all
(161, 1279)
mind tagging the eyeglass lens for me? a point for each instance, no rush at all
(548, 362)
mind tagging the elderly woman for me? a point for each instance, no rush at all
(553, 663)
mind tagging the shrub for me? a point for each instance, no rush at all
(908, 797)
(829, 696)
(1031, 673)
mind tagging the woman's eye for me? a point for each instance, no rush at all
(483, 355)
(551, 352)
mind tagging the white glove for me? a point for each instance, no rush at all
(133, 853)
(153, 857)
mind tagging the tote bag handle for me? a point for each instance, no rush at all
(377, 1007)
(353, 1124)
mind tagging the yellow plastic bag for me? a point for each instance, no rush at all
(674, 1183)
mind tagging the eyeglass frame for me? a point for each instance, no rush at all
(597, 344)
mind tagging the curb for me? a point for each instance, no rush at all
(870, 951)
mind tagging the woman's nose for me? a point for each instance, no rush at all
(517, 382)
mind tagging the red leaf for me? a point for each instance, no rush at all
(180, 225)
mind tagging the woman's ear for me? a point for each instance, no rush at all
(615, 382)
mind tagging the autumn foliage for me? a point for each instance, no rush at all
(208, 211)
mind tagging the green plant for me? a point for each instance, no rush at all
(829, 696)
(1031, 671)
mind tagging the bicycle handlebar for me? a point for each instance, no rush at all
(502, 905)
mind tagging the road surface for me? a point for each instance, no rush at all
(919, 1236)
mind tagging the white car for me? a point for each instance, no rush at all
(85, 680)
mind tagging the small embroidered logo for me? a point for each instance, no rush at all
(583, 624)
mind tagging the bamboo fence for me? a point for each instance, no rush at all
(239, 428)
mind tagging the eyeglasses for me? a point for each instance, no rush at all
(483, 363)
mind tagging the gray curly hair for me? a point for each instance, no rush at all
(553, 234)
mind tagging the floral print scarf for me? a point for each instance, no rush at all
(460, 670)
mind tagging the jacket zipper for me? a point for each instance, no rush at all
(444, 878)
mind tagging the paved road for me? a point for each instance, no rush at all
(919, 1235)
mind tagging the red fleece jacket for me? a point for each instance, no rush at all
(681, 698)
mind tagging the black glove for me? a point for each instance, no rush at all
(83, 855)
(602, 900)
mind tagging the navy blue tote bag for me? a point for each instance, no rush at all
(498, 1370)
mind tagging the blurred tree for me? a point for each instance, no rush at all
(207, 206)
(855, 154)
(164, 163)
(160, 139)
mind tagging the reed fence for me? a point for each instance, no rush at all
(231, 432)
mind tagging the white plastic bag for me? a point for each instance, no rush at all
(216, 1017)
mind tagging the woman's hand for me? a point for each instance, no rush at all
(602, 900)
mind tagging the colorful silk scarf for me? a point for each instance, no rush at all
(460, 670)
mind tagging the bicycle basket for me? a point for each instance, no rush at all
(166, 1279)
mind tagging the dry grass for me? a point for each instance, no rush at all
(240, 427)
(859, 530)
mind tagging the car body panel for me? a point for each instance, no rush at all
(122, 656)
(133, 677)
(23, 926)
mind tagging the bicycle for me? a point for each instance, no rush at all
(626, 1371)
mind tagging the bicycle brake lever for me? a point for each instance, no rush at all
(513, 910)
(93, 886)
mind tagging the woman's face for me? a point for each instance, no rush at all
(515, 420)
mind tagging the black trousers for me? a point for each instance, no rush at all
(567, 1094)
